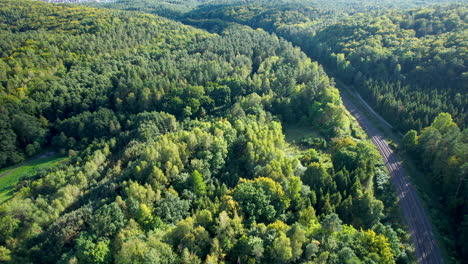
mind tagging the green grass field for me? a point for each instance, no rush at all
(297, 132)
(8, 182)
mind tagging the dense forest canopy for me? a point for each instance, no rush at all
(410, 65)
(175, 136)
(176, 150)
(442, 150)
(175, 8)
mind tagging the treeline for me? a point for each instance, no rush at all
(169, 9)
(442, 151)
(177, 153)
(177, 8)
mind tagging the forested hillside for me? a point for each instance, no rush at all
(442, 151)
(409, 65)
(176, 147)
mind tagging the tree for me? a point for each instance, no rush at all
(298, 238)
(189, 258)
(172, 209)
(293, 191)
(281, 249)
(443, 122)
(5, 254)
(410, 141)
(28, 129)
(136, 247)
(316, 176)
(346, 255)
(89, 251)
(307, 216)
(332, 223)
(8, 150)
(254, 202)
(132, 251)
(186, 236)
(228, 230)
(256, 247)
(345, 158)
(107, 220)
(198, 185)
(378, 245)
(146, 219)
(142, 188)
(144, 194)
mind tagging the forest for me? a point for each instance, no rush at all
(442, 151)
(172, 116)
(409, 65)
(176, 148)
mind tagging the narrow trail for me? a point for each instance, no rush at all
(40, 156)
(427, 250)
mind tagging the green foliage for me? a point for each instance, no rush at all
(88, 251)
(282, 249)
(410, 140)
(255, 203)
(407, 63)
(5, 254)
(423, 46)
(443, 150)
(197, 183)
(177, 151)
(172, 209)
(90, 125)
(331, 223)
(149, 248)
(107, 220)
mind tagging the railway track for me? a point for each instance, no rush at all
(427, 250)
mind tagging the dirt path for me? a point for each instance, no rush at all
(40, 156)
(427, 250)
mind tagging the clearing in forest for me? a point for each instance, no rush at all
(10, 176)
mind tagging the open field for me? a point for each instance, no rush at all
(295, 132)
(12, 175)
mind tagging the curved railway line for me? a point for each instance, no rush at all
(427, 250)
